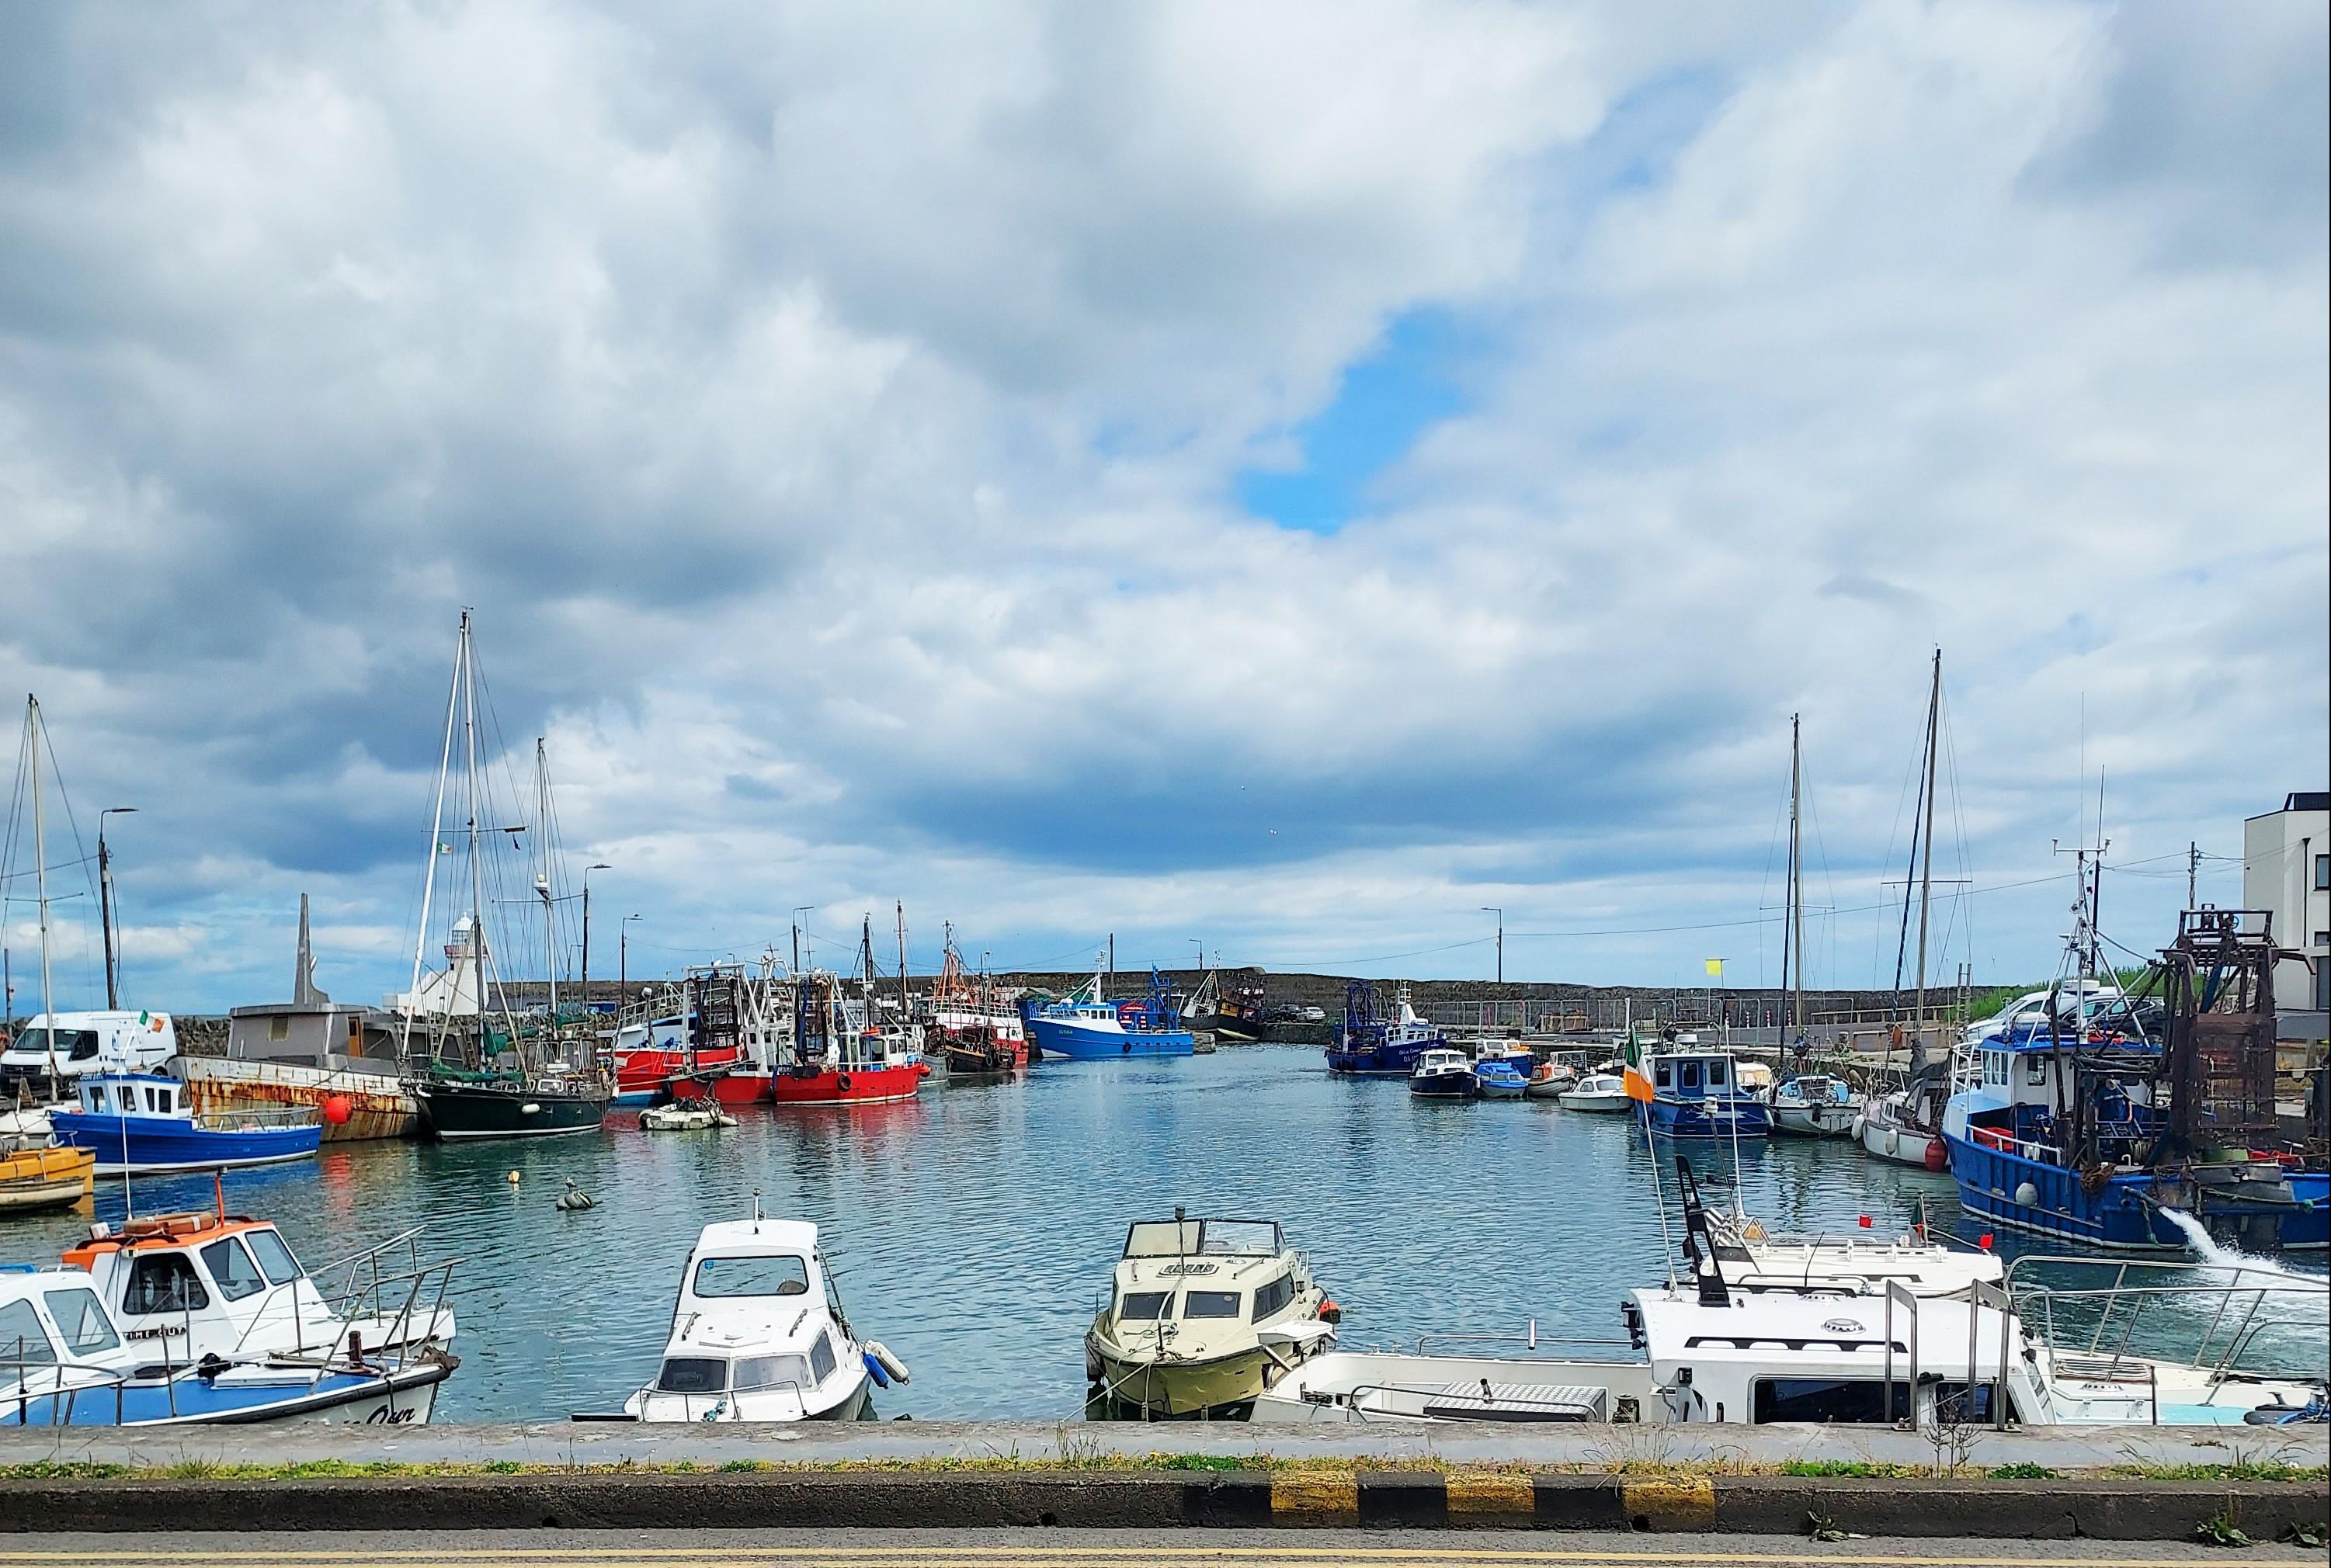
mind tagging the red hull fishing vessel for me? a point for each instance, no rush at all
(832, 1057)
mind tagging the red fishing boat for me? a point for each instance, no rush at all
(833, 1057)
(693, 1031)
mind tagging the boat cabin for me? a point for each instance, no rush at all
(759, 1335)
(1443, 1059)
(147, 1095)
(2036, 1095)
(1695, 1075)
(201, 1285)
(55, 1332)
(1197, 1283)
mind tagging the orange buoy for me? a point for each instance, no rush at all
(336, 1109)
(1938, 1155)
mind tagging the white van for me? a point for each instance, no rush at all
(85, 1041)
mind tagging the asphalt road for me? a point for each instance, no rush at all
(1076, 1549)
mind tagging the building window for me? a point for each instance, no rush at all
(2322, 872)
(2323, 985)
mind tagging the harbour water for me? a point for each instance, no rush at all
(973, 1228)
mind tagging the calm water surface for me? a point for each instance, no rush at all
(973, 1230)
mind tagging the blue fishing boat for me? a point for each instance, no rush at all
(142, 1122)
(1087, 1027)
(1696, 1094)
(1371, 1045)
(1499, 1079)
(2087, 1128)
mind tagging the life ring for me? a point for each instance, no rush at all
(842, 1083)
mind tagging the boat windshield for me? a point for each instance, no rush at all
(275, 1260)
(1144, 1306)
(1211, 1303)
(1239, 1235)
(763, 1276)
(81, 1318)
(692, 1374)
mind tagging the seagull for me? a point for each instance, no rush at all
(575, 1198)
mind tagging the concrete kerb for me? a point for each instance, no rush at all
(1420, 1499)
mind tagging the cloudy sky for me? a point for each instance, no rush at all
(1288, 475)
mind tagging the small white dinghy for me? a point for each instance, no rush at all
(678, 1118)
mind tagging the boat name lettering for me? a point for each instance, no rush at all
(164, 1332)
(386, 1416)
(1187, 1268)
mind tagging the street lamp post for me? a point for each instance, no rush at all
(1500, 914)
(105, 899)
(623, 956)
(595, 866)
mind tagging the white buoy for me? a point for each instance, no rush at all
(2026, 1193)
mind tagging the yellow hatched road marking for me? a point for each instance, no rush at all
(1491, 1494)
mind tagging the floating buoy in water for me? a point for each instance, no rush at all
(513, 1178)
(336, 1109)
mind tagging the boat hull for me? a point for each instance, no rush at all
(1887, 1140)
(137, 1145)
(460, 1112)
(1150, 1390)
(1814, 1121)
(1609, 1105)
(1451, 1086)
(378, 1104)
(1374, 1060)
(1073, 1042)
(644, 1072)
(405, 1397)
(856, 1085)
(35, 1180)
(1674, 1118)
(2126, 1213)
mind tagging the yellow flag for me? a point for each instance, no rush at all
(1716, 967)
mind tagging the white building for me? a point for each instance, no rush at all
(2287, 869)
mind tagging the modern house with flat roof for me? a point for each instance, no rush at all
(2287, 869)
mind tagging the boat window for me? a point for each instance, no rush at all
(96, 1096)
(81, 1318)
(1715, 1075)
(1690, 1075)
(154, 1099)
(820, 1358)
(232, 1270)
(755, 1373)
(22, 1337)
(781, 1275)
(692, 1374)
(2035, 1069)
(275, 1260)
(1211, 1303)
(163, 1282)
(1273, 1297)
(1802, 1399)
(1143, 1305)
(1954, 1401)
(1667, 1075)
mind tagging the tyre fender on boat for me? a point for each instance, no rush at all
(879, 1355)
(842, 1083)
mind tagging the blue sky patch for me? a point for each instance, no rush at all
(1382, 406)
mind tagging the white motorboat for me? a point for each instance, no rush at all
(759, 1335)
(685, 1118)
(1605, 1092)
(1816, 1104)
(1906, 1127)
(1202, 1316)
(1737, 1351)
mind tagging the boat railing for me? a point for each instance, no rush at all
(1530, 1339)
(61, 1397)
(1904, 1309)
(2234, 1317)
(270, 1118)
(2006, 1143)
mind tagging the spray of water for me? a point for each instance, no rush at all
(2207, 1250)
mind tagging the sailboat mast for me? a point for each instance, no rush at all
(902, 964)
(476, 869)
(1926, 856)
(436, 830)
(1795, 938)
(542, 877)
(41, 874)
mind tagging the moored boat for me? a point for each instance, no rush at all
(1695, 1094)
(759, 1335)
(1444, 1073)
(1371, 1045)
(1598, 1091)
(1816, 1104)
(1087, 1027)
(971, 1029)
(1499, 1079)
(1202, 1316)
(142, 1122)
(35, 1180)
